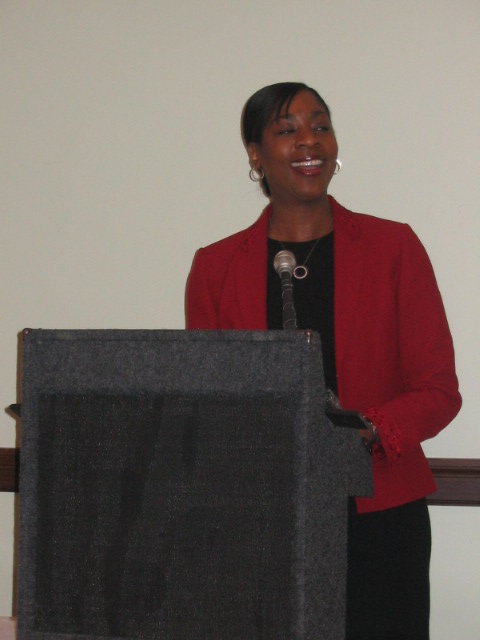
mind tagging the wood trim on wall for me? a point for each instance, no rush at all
(458, 479)
(9, 469)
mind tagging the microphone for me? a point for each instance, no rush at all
(284, 263)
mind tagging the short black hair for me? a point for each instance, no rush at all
(266, 104)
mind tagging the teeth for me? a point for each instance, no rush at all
(307, 163)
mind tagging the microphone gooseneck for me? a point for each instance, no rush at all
(284, 263)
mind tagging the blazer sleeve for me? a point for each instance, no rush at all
(201, 309)
(430, 397)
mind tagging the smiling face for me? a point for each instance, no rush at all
(297, 152)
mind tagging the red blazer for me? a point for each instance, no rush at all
(393, 348)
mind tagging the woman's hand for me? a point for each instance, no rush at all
(369, 436)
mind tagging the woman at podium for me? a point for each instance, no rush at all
(367, 286)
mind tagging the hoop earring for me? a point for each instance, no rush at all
(339, 166)
(256, 175)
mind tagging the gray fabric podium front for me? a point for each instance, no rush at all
(182, 486)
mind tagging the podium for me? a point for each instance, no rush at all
(182, 486)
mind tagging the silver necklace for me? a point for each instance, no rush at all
(301, 271)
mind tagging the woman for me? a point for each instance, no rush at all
(367, 286)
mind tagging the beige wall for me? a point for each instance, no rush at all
(120, 155)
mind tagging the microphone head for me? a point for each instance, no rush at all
(284, 261)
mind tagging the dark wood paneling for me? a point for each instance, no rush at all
(9, 469)
(458, 479)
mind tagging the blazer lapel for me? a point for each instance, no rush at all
(349, 272)
(250, 275)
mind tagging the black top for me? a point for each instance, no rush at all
(313, 296)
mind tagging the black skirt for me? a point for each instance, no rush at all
(388, 588)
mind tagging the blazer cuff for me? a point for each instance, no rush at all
(389, 433)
